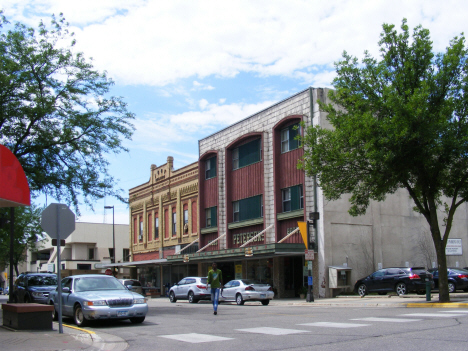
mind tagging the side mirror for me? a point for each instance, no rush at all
(66, 290)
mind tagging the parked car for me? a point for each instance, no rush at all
(192, 289)
(402, 280)
(242, 290)
(457, 279)
(132, 285)
(94, 297)
(33, 287)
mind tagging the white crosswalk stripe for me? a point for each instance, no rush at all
(379, 319)
(335, 325)
(273, 331)
(195, 338)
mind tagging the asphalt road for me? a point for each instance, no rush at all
(184, 326)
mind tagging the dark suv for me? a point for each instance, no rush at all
(34, 287)
(399, 279)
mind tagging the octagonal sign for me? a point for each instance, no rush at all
(58, 221)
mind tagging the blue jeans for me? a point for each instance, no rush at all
(215, 298)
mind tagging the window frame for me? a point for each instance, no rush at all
(241, 154)
(288, 143)
(210, 167)
(174, 223)
(156, 227)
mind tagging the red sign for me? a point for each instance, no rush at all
(14, 188)
(108, 271)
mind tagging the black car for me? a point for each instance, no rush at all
(34, 287)
(457, 279)
(402, 280)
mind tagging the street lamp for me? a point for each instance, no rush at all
(113, 233)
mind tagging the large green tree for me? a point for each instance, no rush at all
(398, 122)
(56, 115)
(27, 233)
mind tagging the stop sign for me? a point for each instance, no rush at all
(58, 221)
(108, 271)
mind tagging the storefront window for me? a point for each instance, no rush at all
(260, 270)
(150, 276)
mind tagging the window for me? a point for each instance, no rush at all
(293, 198)
(174, 223)
(249, 208)
(246, 154)
(90, 253)
(288, 137)
(83, 267)
(185, 217)
(210, 215)
(111, 253)
(210, 168)
(126, 255)
(140, 236)
(156, 228)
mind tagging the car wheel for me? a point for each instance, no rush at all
(172, 297)
(79, 318)
(451, 287)
(239, 299)
(265, 302)
(137, 320)
(362, 290)
(191, 297)
(54, 313)
(400, 289)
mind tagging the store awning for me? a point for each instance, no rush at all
(133, 264)
(14, 188)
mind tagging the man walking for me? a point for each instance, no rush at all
(215, 278)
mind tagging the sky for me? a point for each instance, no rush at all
(187, 69)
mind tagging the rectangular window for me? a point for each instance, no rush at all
(185, 217)
(288, 137)
(140, 235)
(126, 255)
(210, 168)
(91, 253)
(156, 228)
(249, 208)
(246, 154)
(211, 214)
(174, 223)
(111, 254)
(293, 198)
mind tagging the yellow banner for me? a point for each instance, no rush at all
(303, 229)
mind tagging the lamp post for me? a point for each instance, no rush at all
(113, 233)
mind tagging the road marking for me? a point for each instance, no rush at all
(335, 325)
(456, 311)
(379, 319)
(430, 315)
(273, 331)
(194, 338)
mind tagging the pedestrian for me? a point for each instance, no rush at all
(215, 279)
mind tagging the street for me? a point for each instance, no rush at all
(182, 326)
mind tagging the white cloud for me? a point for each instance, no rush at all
(159, 42)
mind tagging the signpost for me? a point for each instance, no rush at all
(58, 222)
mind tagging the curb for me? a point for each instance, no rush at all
(102, 341)
(438, 305)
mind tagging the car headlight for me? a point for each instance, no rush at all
(37, 294)
(139, 300)
(95, 303)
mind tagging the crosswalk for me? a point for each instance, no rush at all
(195, 338)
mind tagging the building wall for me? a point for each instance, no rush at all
(167, 192)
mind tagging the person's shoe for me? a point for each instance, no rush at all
(215, 313)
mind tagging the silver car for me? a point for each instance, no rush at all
(242, 290)
(132, 285)
(192, 289)
(94, 296)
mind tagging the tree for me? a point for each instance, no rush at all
(55, 113)
(26, 233)
(398, 122)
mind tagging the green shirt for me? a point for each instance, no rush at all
(215, 278)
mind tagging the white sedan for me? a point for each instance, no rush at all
(242, 290)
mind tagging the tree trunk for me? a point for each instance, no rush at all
(442, 267)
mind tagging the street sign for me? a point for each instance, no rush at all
(54, 242)
(108, 271)
(309, 255)
(310, 281)
(58, 217)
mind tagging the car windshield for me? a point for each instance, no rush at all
(38, 280)
(97, 283)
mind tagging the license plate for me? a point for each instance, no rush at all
(121, 313)
(262, 295)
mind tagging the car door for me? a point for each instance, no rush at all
(185, 288)
(178, 288)
(390, 278)
(228, 291)
(67, 308)
(20, 288)
(374, 283)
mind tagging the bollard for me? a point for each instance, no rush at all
(428, 290)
